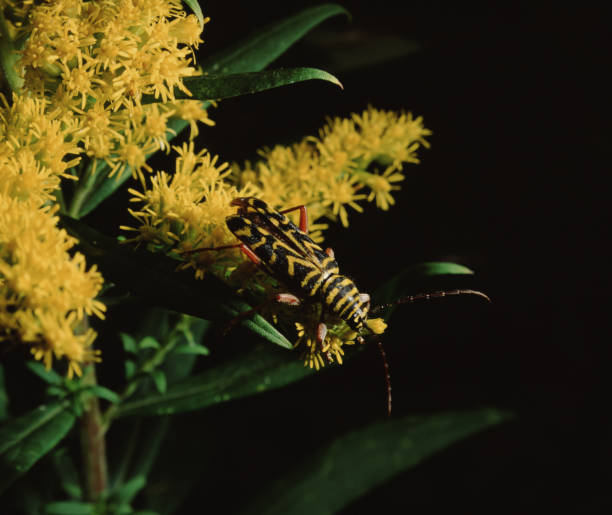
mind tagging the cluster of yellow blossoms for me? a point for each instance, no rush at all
(94, 62)
(81, 76)
(44, 291)
(351, 160)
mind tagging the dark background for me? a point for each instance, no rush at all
(513, 187)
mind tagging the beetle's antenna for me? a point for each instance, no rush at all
(428, 296)
(387, 375)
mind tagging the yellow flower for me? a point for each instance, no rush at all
(381, 186)
(94, 62)
(45, 292)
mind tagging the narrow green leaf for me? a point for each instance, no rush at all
(192, 349)
(159, 378)
(104, 187)
(126, 492)
(50, 376)
(197, 10)
(368, 456)
(56, 391)
(26, 439)
(428, 269)
(129, 343)
(217, 87)
(70, 508)
(154, 278)
(105, 393)
(252, 373)
(262, 47)
(148, 342)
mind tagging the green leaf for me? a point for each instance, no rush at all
(50, 376)
(192, 349)
(159, 378)
(217, 87)
(126, 492)
(129, 343)
(428, 269)
(103, 188)
(154, 278)
(252, 373)
(70, 508)
(130, 368)
(148, 342)
(262, 47)
(26, 439)
(105, 393)
(361, 460)
(197, 10)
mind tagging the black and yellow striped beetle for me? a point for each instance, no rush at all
(286, 252)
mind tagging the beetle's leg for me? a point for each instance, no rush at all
(250, 254)
(387, 375)
(321, 332)
(364, 298)
(287, 298)
(303, 217)
(283, 298)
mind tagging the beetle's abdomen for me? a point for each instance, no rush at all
(341, 297)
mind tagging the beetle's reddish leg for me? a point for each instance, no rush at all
(283, 298)
(321, 332)
(303, 217)
(250, 254)
(287, 298)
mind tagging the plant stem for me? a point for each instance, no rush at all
(93, 446)
(143, 372)
(83, 189)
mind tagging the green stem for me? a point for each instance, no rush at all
(93, 445)
(85, 185)
(145, 369)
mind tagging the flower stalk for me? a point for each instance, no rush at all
(93, 445)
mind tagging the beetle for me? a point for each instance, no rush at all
(311, 274)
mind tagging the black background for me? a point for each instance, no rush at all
(513, 186)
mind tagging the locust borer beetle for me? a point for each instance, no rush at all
(310, 274)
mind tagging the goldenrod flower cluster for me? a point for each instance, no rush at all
(45, 292)
(351, 161)
(94, 62)
(86, 67)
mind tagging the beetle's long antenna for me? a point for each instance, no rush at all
(428, 296)
(387, 375)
